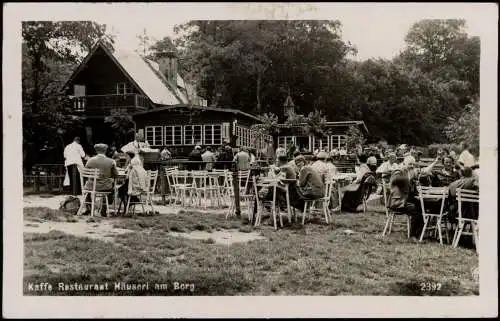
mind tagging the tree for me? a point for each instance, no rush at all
(144, 43)
(121, 123)
(251, 65)
(465, 128)
(50, 51)
(48, 44)
(354, 138)
(443, 49)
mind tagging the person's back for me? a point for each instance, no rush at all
(466, 159)
(208, 158)
(310, 183)
(242, 160)
(321, 167)
(108, 171)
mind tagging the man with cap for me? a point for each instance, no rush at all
(195, 158)
(320, 165)
(107, 168)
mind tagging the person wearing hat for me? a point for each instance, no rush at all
(320, 165)
(195, 158)
(107, 168)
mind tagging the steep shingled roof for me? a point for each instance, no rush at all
(142, 72)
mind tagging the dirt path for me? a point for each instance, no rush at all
(102, 230)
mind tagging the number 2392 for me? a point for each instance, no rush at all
(430, 286)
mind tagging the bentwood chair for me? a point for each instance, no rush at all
(148, 194)
(272, 185)
(433, 194)
(470, 197)
(323, 201)
(391, 214)
(169, 174)
(92, 175)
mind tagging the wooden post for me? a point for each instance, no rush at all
(74, 177)
(236, 188)
(37, 180)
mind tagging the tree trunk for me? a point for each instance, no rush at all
(259, 106)
(36, 66)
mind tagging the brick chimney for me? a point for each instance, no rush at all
(167, 61)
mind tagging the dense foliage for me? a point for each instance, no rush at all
(252, 65)
(50, 52)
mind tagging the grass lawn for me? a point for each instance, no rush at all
(319, 259)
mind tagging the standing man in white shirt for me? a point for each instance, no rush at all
(466, 159)
(73, 154)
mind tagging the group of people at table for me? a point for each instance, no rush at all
(306, 176)
(135, 176)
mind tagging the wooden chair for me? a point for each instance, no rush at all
(471, 197)
(390, 214)
(92, 175)
(169, 174)
(182, 186)
(213, 190)
(272, 184)
(433, 194)
(369, 186)
(198, 190)
(324, 201)
(148, 194)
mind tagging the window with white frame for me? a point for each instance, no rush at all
(173, 135)
(320, 144)
(123, 88)
(286, 141)
(154, 135)
(193, 134)
(212, 134)
(338, 141)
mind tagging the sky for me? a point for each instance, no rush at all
(377, 30)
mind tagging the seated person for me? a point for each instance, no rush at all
(388, 166)
(352, 195)
(282, 171)
(466, 181)
(401, 199)
(446, 175)
(137, 178)
(309, 186)
(332, 169)
(320, 165)
(292, 163)
(108, 173)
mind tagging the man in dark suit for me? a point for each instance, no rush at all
(108, 172)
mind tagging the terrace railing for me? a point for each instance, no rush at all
(131, 102)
